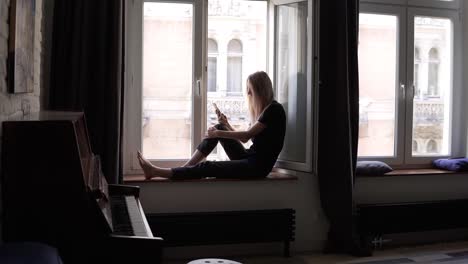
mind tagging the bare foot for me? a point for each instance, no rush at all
(152, 171)
(148, 168)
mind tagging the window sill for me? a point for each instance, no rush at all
(416, 172)
(273, 176)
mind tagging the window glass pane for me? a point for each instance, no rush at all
(377, 84)
(291, 76)
(433, 85)
(167, 80)
(234, 76)
(212, 64)
(239, 27)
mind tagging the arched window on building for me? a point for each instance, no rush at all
(433, 72)
(431, 146)
(212, 65)
(417, 62)
(415, 146)
(234, 67)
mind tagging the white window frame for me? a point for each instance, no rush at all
(134, 71)
(309, 140)
(400, 13)
(406, 12)
(455, 149)
(455, 4)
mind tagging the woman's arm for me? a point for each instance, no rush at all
(243, 136)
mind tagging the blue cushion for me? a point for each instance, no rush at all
(455, 164)
(372, 168)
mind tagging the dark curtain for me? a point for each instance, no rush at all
(339, 122)
(87, 72)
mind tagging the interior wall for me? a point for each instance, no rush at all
(11, 104)
(301, 195)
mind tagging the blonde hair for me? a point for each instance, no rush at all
(261, 94)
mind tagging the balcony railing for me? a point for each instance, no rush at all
(235, 108)
(428, 111)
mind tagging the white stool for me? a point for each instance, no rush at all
(213, 261)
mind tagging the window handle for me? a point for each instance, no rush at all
(403, 90)
(198, 88)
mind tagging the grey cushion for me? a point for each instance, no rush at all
(372, 168)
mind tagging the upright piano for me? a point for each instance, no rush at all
(54, 192)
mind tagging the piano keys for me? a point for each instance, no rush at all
(54, 192)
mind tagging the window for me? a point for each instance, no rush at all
(166, 94)
(408, 82)
(433, 74)
(415, 146)
(234, 67)
(240, 34)
(212, 65)
(417, 63)
(378, 45)
(432, 146)
(182, 56)
(292, 65)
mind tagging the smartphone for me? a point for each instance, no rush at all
(218, 112)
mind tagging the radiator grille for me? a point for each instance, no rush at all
(203, 228)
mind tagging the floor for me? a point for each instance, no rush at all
(344, 259)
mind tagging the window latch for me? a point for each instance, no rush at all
(198, 88)
(403, 90)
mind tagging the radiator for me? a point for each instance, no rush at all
(230, 227)
(391, 218)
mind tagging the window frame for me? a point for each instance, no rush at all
(456, 140)
(306, 166)
(404, 157)
(134, 78)
(134, 72)
(400, 13)
(454, 4)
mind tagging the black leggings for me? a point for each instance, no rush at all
(241, 165)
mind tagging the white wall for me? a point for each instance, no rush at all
(411, 188)
(301, 195)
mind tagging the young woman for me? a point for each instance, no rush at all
(267, 134)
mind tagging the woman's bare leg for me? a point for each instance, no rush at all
(195, 159)
(152, 171)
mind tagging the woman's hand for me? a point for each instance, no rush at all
(212, 132)
(222, 119)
